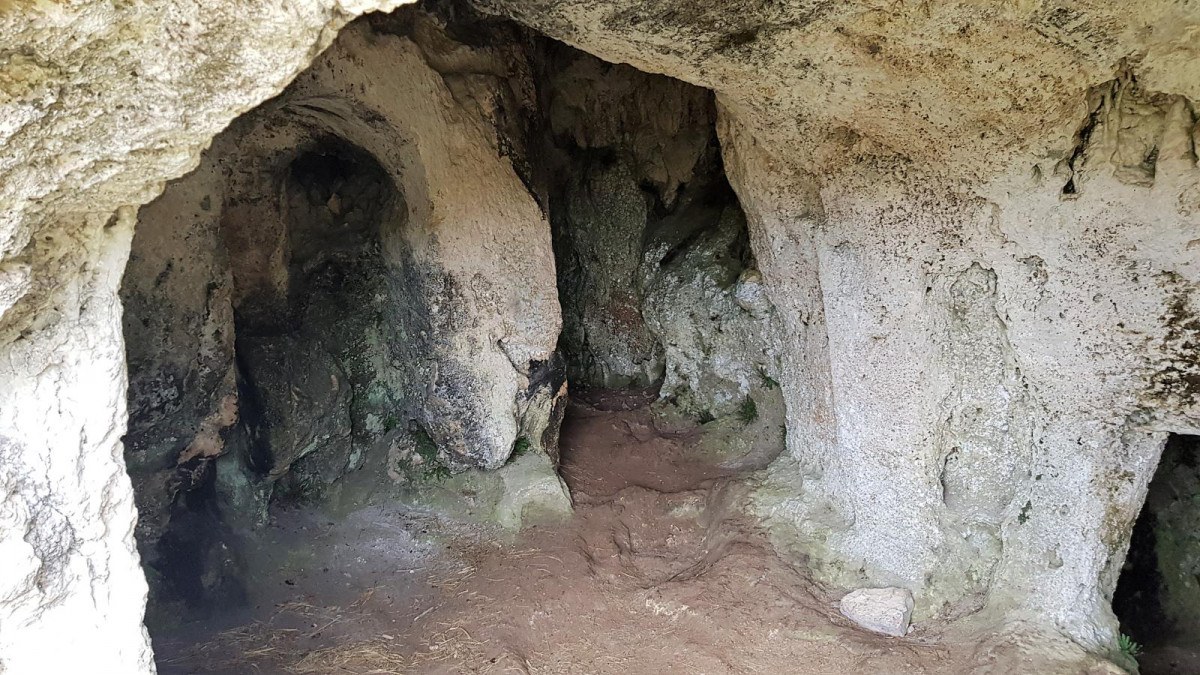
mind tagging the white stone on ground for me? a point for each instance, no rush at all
(883, 610)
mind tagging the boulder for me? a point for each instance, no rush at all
(883, 610)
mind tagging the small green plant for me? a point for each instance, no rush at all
(748, 412)
(390, 423)
(1128, 647)
(430, 468)
(768, 381)
(521, 447)
(1023, 516)
(426, 448)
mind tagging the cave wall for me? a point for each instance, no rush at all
(143, 75)
(975, 226)
(354, 293)
(996, 367)
(874, 148)
(656, 278)
(1157, 598)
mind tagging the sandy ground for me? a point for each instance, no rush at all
(657, 572)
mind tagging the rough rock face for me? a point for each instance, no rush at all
(978, 227)
(619, 146)
(919, 178)
(100, 103)
(706, 303)
(656, 279)
(320, 283)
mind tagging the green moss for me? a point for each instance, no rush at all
(426, 448)
(390, 423)
(432, 468)
(521, 447)
(429, 468)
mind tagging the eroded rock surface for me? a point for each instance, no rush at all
(977, 225)
(152, 83)
(974, 224)
(656, 278)
(314, 315)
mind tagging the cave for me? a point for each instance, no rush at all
(310, 314)
(490, 336)
(1157, 596)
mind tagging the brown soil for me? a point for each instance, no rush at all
(658, 572)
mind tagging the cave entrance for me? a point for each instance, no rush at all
(345, 355)
(1157, 598)
(667, 332)
(262, 322)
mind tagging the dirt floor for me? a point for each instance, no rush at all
(657, 572)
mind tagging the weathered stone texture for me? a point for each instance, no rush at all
(883, 610)
(974, 223)
(656, 278)
(357, 278)
(100, 103)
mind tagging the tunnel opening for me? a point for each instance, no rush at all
(315, 331)
(1157, 598)
(663, 306)
(344, 344)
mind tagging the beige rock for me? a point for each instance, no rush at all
(883, 610)
(973, 223)
(142, 82)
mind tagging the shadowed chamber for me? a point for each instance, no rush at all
(1157, 599)
(316, 327)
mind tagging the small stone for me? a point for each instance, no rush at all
(883, 610)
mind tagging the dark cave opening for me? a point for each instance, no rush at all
(317, 328)
(1157, 599)
(291, 306)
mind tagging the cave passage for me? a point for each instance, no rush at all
(341, 359)
(1157, 598)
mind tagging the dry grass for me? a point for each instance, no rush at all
(362, 658)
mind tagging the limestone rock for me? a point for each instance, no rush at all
(142, 76)
(719, 355)
(622, 144)
(319, 271)
(914, 177)
(883, 610)
(878, 221)
(533, 493)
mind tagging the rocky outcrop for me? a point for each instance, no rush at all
(656, 278)
(617, 149)
(142, 77)
(313, 310)
(977, 226)
(897, 164)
